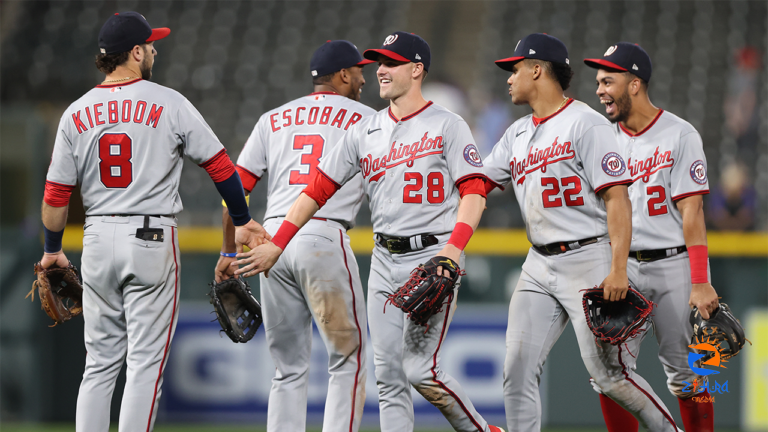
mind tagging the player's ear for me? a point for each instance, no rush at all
(345, 76)
(137, 52)
(418, 69)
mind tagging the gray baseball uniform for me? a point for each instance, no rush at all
(667, 163)
(410, 167)
(557, 165)
(317, 275)
(124, 145)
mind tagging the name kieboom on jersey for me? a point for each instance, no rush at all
(538, 159)
(427, 146)
(124, 112)
(650, 165)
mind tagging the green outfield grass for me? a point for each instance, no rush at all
(59, 427)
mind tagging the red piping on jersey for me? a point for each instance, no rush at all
(626, 375)
(57, 194)
(434, 365)
(359, 332)
(323, 92)
(650, 125)
(409, 116)
(607, 185)
(538, 121)
(248, 178)
(119, 84)
(689, 194)
(170, 327)
(219, 167)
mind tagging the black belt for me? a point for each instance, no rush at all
(398, 245)
(561, 247)
(656, 254)
(129, 215)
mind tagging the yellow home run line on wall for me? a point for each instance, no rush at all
(499, 242)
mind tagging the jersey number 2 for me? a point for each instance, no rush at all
(568, 193)
(656, 204)
(312, 159)
(115, 167)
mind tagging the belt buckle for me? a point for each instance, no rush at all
(391, 246)
(640, 256)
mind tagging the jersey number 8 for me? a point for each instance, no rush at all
(115, 167)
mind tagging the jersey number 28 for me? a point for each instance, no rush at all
(115, 167)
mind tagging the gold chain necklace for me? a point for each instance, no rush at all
(562, 104)
(118, 80)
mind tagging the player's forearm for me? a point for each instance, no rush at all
(54, 218)
(471, 209)
(298, 215)
(619, 213)
(302, 210)
(694, 226)
(228, 230)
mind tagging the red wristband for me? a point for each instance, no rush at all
(461, 235)
(699, 263)
(284, 234)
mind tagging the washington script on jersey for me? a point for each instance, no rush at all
(125, 111)
(309, 117)
(414, 151)
(539, 159)
(650, 165)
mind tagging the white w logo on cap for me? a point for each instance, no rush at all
(610, 50)
(390, 39)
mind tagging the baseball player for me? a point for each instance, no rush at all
(668, 259)
(318, 276)
(417, 160)
(570, 179)
(123, 142)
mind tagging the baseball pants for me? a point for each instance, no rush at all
(316, 277)
(130, 305)
(406, 355)
(547, 295)
(666, 282)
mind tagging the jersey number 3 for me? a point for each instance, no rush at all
(312, 159)
(115, 167)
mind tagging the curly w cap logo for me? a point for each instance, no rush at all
(390, 39)
(610, 50)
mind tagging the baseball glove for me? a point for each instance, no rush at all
(616, 321)
(721, 327)
(237, 310)
(424, 293)
(60, 292)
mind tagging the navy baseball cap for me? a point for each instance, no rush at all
(624, 57)
(124, 30)
(334, 56)
(539, 46)
(402, 46)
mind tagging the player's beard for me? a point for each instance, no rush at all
(146, 66)
(624, 108)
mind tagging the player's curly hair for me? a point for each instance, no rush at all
(107, 63)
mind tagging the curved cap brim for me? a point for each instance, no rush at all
(603, 64)
(508, 62)
(373, 55)
(159, 33)
(365, 62)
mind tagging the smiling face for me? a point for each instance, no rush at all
(521, 82)
(395, 77)
(613, 91)
(356, 82)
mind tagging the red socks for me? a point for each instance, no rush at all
(617, 419)
(698, 416)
